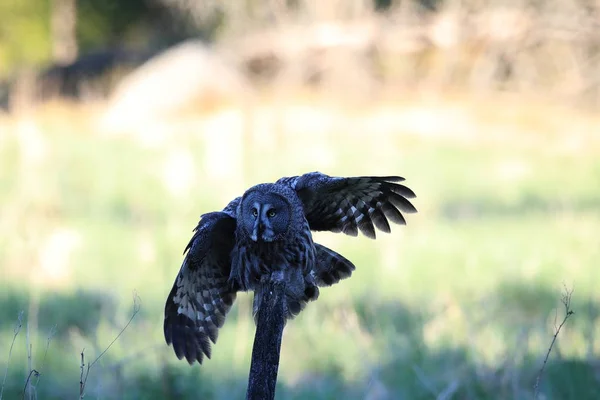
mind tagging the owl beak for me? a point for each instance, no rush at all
(256, 231)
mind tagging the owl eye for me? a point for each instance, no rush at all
(271, 213)
(254, 212)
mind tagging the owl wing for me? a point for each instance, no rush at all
(330, 267)
(352, 204)
(201, 296)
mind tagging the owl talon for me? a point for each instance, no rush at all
(234, 285)
(235, 281)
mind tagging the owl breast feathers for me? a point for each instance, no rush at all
(268, 229)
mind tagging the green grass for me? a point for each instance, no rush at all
(460, 302)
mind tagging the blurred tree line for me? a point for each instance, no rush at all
(535, 45)
(38, 32)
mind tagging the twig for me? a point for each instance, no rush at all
(51, 334)
(29, 359)
(566, 301)
(81, 382)
(35, 372)
(270, 320)
(31, 372)
(84, 376)
(16, 331)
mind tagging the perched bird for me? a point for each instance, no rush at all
(268, 229)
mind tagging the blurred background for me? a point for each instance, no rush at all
(121, 122)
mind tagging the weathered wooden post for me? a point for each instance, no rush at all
(270, 321)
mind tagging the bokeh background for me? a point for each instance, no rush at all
(122, 121)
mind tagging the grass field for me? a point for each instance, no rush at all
(459, 304)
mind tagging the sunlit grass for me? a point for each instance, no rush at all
(461, 300)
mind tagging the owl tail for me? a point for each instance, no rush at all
(331, 267)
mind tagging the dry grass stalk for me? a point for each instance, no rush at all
(16, 331)
(566, 301)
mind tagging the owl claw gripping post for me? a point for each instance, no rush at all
(268, 230)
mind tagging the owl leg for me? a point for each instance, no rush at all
(241, 278)
(275, 276)
(245, 271)
(234, 280)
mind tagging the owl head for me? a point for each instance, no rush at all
(266, 212)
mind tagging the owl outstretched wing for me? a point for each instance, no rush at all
(354, 204)
(201, 296)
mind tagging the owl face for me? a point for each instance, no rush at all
(265, 216)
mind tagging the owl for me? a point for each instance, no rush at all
(267, 230)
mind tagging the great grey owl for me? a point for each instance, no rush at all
(269, 229)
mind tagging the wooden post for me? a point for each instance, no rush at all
(270, 321)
